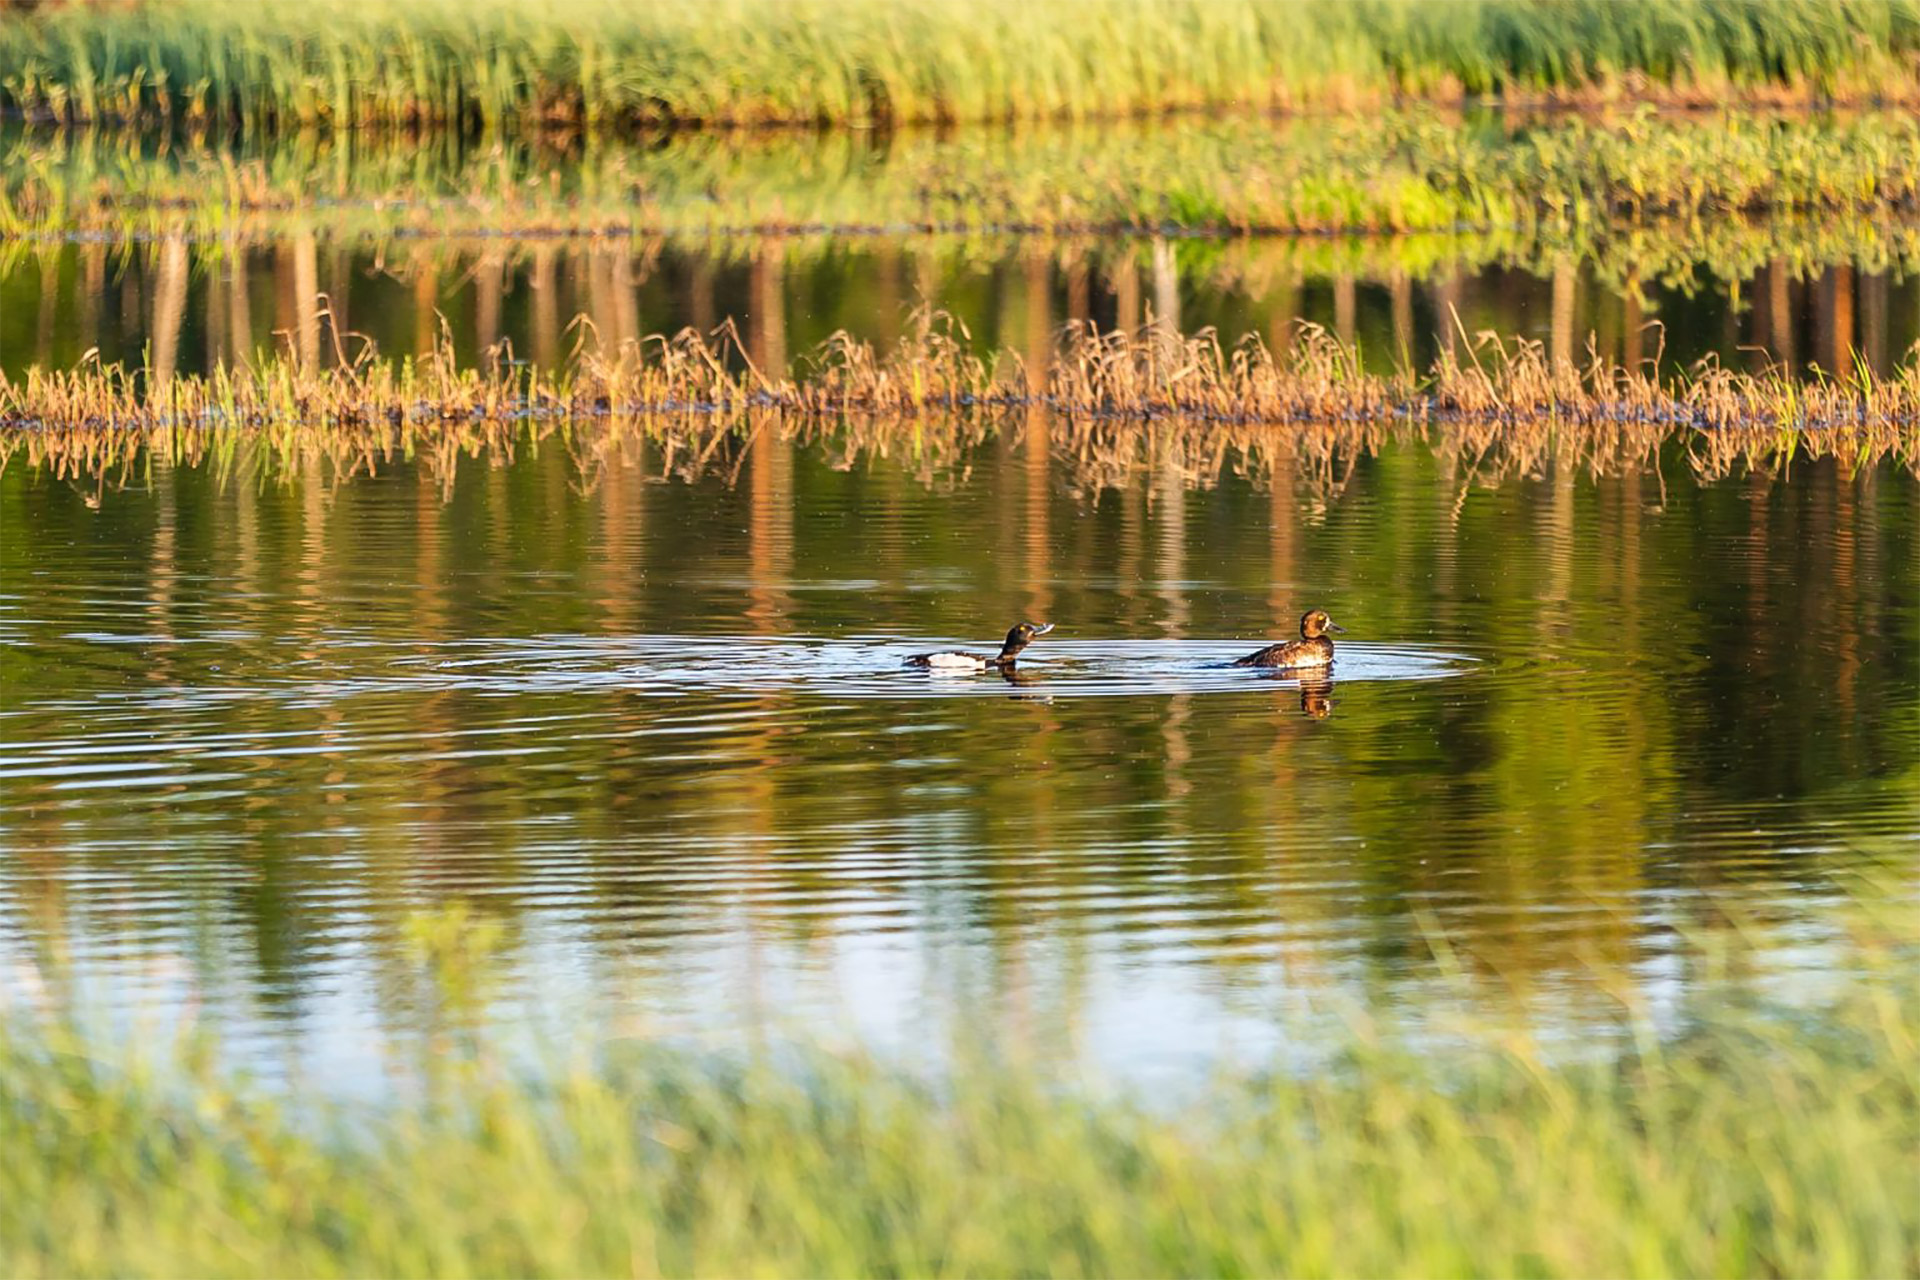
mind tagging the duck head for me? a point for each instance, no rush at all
(1022, 636)
(1315, 623)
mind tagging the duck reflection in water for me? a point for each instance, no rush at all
(1316, 689)
(1024, 679)
(1316, 695)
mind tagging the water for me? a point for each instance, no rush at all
(654, 722)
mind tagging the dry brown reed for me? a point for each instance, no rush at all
(1114, 403)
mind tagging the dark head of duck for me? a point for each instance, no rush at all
(1315, 623)
(1019, 638)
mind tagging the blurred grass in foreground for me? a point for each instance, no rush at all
(1757, 1136)
(478, 64)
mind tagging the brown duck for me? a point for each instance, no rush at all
(1314, 648)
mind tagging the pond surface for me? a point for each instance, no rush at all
(658, 728)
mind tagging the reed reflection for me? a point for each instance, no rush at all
(187, 302)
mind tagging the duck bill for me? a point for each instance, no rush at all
(1042, 628)
(1336, 628)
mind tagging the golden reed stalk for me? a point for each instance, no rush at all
(1110, 396)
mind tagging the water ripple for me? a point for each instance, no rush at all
(874, 667)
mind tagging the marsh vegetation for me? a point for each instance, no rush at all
(1565, 179)
(483, 65)
(1105, 400)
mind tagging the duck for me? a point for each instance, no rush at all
(1313, 649)
(1018, 638)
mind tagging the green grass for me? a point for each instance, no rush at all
(1641, 196)
(489, 63)
(1405, 171)
(1755, 1137)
